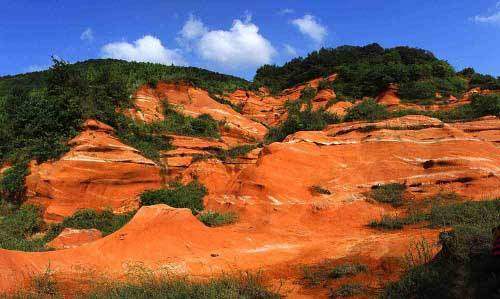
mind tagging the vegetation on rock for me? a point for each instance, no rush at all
(465, 266)
(188, 196)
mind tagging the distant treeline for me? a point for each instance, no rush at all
(366, 71)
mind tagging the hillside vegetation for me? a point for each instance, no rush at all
(366, 71)
(40, 111)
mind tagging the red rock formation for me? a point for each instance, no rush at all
(98, 172)
(390, 96)
(71, 238)
(194, 101)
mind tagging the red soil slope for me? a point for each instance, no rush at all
(282, 224)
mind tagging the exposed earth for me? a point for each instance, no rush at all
(282, 223)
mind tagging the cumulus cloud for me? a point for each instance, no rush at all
(289, 50)
(310, 26)
(87, 35)
(240, 46)
(145, 49)
(193, 28)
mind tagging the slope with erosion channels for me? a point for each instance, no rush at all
(299, 201)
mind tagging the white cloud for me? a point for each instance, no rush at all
(240, 46)
(286, 11)
(145, 49)
(289, 50)
(492, 18)
(193, 28)
(87, 35)
(310, 26)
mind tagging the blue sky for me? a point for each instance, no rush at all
(236, 37)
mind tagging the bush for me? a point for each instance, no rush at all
(486, 104)
(464, 267)
(348, 290)
(347, 270)
(212, 219)
(246, 286)
(12, 183)
(367, 110)
(178, 196)
(390, 193)
(301, 117)
(176, 123)
(105, 221)
(235, 152)
(326, 270)
(17, 228)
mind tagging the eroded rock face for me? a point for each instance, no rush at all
(98, 172)
(71, 238)
(486, 128)
(348, 159)
(390, 96)
(194, 102)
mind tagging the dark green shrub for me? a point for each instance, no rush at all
(235, 152)
(18, 226)
(177, 123)
(486, 104)
(417, 90)
(347, 270)
(213, 219)
(178, 196)
(12, 187)
(465, 266)
(246, 286)
(367, 110)
(348, 290)
(390, 193)
(326, 270)
(105, 221)
(301, 117)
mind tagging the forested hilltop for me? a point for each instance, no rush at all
(366, 71)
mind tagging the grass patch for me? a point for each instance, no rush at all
(347, 270)
(24, 229)
(177, 123)
(213, 219)
(178, 196)
(325, 271)
(390, 193)
(465, 267)
(235, 152)
(19, 226)
(105, 221)
(246, 286)
(348, 290)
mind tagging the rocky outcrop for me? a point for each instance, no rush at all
(390, 96)
(71, 238)
(98, 172)
(194, 102)
(486, 128)
(348, 159)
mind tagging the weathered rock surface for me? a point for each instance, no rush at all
(194, 102)
(71, 238)
(486, 128)
(389, 97)
(98, 172)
